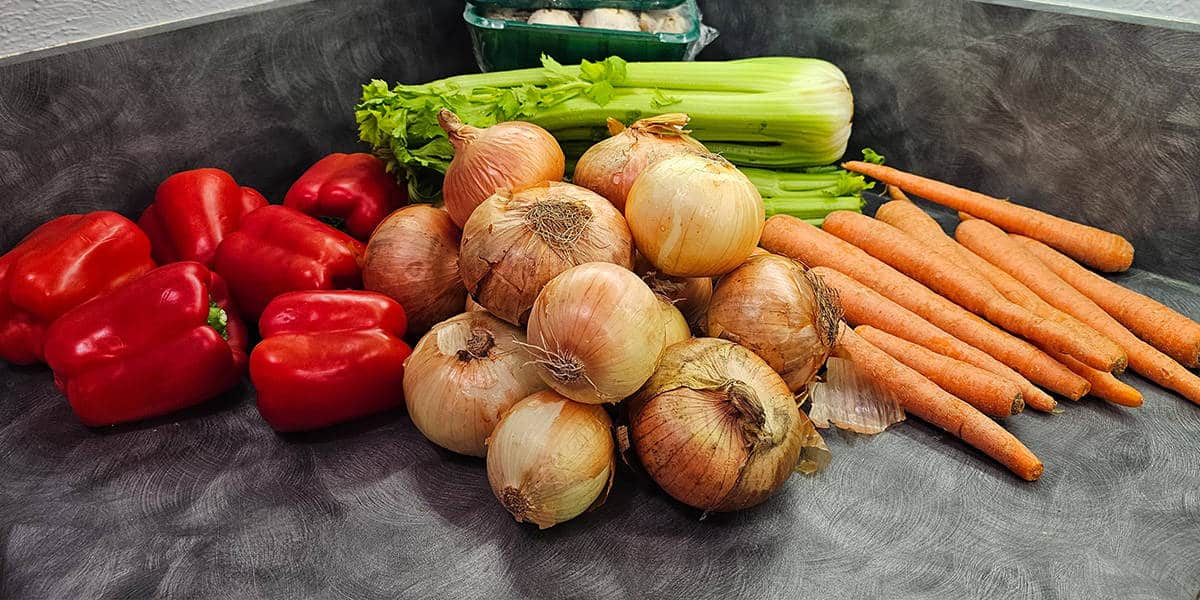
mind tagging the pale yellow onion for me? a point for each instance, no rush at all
(461, 378)
(689, 294)
(781, 312)
(596, 333)
(694, 215)
(718, 429)
(412, 257)
(505, 156)
(610, 167)
(515, 243)
(551, 459)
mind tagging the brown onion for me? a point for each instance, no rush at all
(472, 305)
(515, 243)
(718, 430)
(694, 215)
(413, 257)
(510, 155)
(461, 378)
(596, 333)
(781, 312)
(610, 167)
(550, 459)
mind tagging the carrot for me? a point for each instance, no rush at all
(1104, 385)
(993, 396)
(798, 240)
(865, 306)
(930, 403)
(956, 283)
(1098, 248)
(1172, 333)
(1005, 252)
(910, 219)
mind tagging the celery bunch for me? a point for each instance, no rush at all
(771, 112)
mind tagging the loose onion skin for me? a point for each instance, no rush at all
(694, 215)
(610, 167)
(515, 243)
(550, 459)
(596, 332)
(510, 155)
(718, 429)
(412, 257)
(781, 312)
(462, 377)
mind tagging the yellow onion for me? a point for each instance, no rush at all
(596, 332)
(689, 294)
(718, 430)
(781, 312)
(550, 459)
(413, 257)
(610, 167)
(461, 378)
(505, 156)
(694, 215)
(516, 242)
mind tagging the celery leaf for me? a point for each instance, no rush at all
(872, 156)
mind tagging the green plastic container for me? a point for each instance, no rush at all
(501, 45)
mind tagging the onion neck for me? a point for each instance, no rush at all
(750, 414)
(478, 345)
(460, 134)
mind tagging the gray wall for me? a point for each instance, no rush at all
(35, 24)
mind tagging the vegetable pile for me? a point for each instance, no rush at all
(649, 308)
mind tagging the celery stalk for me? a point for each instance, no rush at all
(770, 111)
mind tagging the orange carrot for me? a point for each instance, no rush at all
(865, 306)
(993, 396)
(1005, 252)
(798, 240)
(910, 219)
(1098, 248)
(1172, 333)
(930, 403)
(1104, 385)
(960, 285)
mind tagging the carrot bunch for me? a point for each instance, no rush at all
(965, 328)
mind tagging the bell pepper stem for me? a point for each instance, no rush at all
(218, 319)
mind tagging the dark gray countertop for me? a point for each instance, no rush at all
(1093, 120)
(211, 503)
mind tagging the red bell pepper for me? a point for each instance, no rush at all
(278, 250)
(328, 357)
(59, 266)
(162, 342)
(193, 211)
(352, 187)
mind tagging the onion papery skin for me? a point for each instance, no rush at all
(596, 332)
(610, 167)
(515, 243)
(463, 376)
(781, 312)
(694, 215)
(550, 459)
(716, 427)
(412, 257)
(506, 156)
